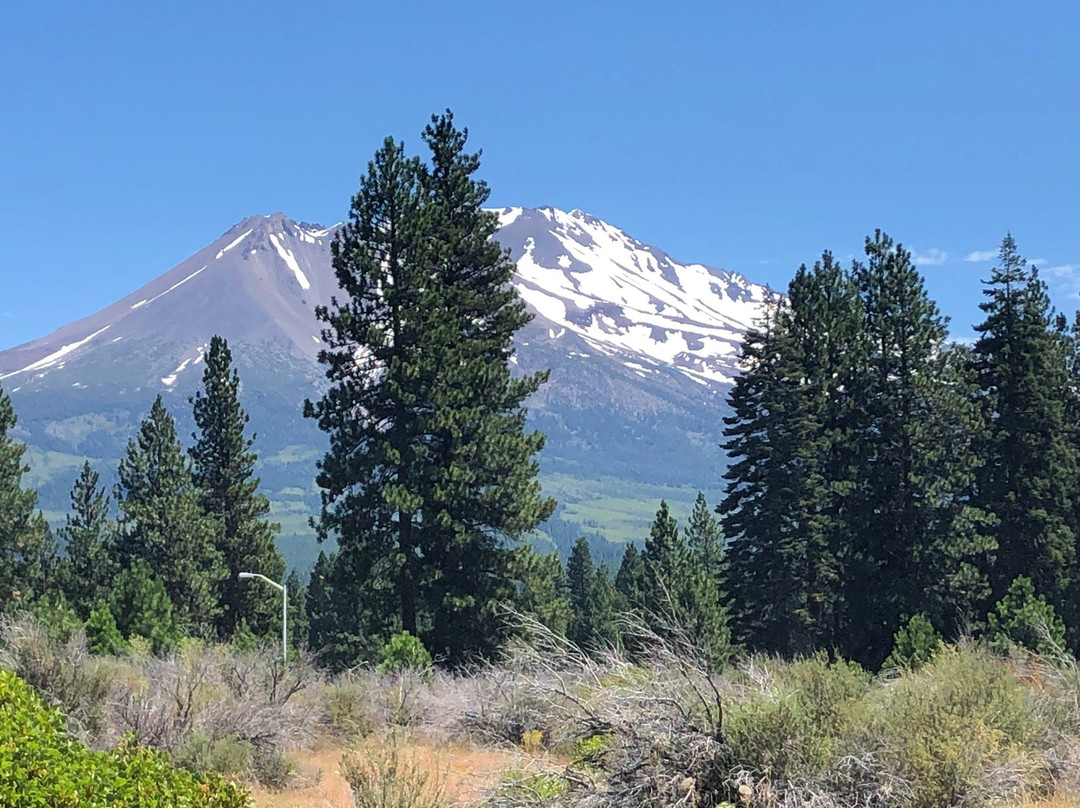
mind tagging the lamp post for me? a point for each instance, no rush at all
(243, 576)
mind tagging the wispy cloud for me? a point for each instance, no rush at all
(931, 258)
(1069, 272)
(1063, 277)
(978, 256)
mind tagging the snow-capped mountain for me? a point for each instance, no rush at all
(580, 275)
(641, 349)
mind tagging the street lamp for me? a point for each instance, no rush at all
(243, 576)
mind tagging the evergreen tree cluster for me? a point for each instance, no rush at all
(882, 474)
(187, 523)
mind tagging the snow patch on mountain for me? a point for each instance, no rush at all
(170, 380)
(625, 298)
(55, 357)
(290, 261)
(232, 244)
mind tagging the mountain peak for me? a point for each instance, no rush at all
(586, 281)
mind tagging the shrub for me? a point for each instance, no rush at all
(790, 719)
(272, 767)
(404, 652)
(914, 644)
(346, 709)
(41, 765)
(61, 671)
(519, 789)
(1023, 619)
(381, 775)
(201, 753)
(946, 726)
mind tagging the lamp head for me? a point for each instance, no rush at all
(245, 575)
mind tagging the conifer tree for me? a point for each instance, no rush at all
(299, 627)
(318, 603)
(89, 567)
(676, 591)
(27, 550)
(141, 607)
(594, 599)
(102, 634)
(919, 544)
(544, 590)
(163, 524)
(430, 476)
(579, 575)
(1027, 620)
(705, 539)
(1029, 478)
(790, 438)
(223, 468)
(630, 578)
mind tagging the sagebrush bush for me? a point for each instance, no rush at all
(945, 727)
(201, 753)
(41, 765)
(347, 711)
(60, 669)
(383, 775)
(790, 720)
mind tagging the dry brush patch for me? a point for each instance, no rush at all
(552, 725)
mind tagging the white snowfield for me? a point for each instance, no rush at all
(628, 300)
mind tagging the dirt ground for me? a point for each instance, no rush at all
(468, 774)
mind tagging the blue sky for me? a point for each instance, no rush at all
(744, 135)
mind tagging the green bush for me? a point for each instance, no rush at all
(540, 788)
(404, 652)
(41, 765)
(914, 644)
(943, 728)
(200, 753)
(1023, 619)
(794, 724)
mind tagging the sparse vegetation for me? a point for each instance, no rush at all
(971, 726)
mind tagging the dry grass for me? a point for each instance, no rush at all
(469, 774)
(969, 729)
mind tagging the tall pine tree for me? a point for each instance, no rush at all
(789, 436)
(430, 476)
(1028, 481)
(919, 544)
(163, 523)
(27, 550)
(223, 468)
(89, 569)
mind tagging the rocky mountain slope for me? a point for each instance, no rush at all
(642, 349)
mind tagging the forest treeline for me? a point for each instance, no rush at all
(887, 487)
